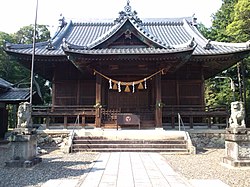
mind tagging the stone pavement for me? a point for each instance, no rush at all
(126, 169)
(131, 169)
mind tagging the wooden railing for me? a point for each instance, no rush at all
(203, 114)
(192, 115)
(66, 115)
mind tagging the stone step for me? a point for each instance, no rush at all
(174, 138)
(172, 151)
(101, 141)
(139, 146)
(138, 142)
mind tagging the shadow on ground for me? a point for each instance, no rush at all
(62, 166)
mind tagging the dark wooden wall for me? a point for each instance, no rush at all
(182, 92)
(184, 87)
(3, 122)
(75, 92)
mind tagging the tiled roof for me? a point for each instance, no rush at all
(130, 51)
(14, 95)
(166, 33)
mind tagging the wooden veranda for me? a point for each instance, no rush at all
(84, 116)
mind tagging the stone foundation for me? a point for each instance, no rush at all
(207, 139)
(237, 147)
(23, 151)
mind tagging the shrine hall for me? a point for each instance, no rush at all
(128, 72)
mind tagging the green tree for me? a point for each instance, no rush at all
(9, 69)
(25, 34)
(13, 71)
(221, 19)
(231, 24)
(239, 28)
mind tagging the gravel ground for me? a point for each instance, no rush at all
(54, 165)
(208, 165)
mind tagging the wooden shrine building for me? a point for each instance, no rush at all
(12, 95)
(150, 69)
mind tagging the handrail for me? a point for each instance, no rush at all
(73, 132)
(180, 122)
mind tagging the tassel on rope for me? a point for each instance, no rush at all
(145, 83)
(115, 86)
(140, 87)
(110, 84)
(127, 89)
(119, 86)
(133, 87)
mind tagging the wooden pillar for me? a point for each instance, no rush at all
(158, 101)
(65, 122)
(83, 120)
(78, 92)
(172, 121)
(191, 122)
(53, 93)
(3, 120)
(98, 100)
(47, 122)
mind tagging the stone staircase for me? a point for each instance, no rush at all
(170, 145)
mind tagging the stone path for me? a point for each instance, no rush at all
(123, 169)
(131, 169)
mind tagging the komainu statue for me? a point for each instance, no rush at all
(24, 115)
(237, 118)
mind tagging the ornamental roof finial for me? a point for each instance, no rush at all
(127, 7)
(128, 14)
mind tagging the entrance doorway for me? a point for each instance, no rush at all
(128, 102)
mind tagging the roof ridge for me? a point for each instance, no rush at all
(161, 23)
(8, 45)
(200, 39)
(93, 23)
(238, 45)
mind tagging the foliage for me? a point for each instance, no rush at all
(239, 28)
(13, 72)
(231, 24)
(221, 19)
(16, 73)
(25, 34)
(9, 69)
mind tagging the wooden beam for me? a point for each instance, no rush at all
(158, 109)
(98, 100)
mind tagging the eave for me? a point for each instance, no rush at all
(214, 64)
(171, 58)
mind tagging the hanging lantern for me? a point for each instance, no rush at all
(115, 86)
(145, 83)
(127, 89)
(110, 84)
(140, 87)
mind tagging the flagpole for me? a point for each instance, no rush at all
(33, 56)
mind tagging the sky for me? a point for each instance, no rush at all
(15, 14)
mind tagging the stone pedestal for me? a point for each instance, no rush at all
(23, 151)
(237, 144)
